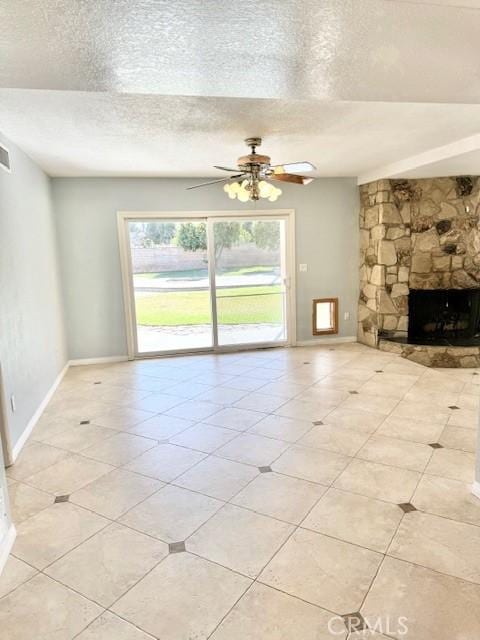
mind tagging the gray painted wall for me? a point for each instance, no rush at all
(32, 337)
(5, 520)
(326, 239)
(4, 506)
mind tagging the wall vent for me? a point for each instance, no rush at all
(4, 158)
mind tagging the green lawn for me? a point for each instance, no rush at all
(203, 273)
(193, 307)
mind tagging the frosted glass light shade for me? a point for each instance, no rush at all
(239, 190)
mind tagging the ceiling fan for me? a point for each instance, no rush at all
(250, 180)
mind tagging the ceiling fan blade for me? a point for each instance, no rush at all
(293, 167)
(290, 177)
(205, 184)
(225, 169)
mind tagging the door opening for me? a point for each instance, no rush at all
(212, 281)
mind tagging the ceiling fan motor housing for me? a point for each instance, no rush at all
(254, 160)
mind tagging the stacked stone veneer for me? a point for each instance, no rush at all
(414, 234)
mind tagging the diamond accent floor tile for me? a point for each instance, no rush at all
(64, 498)
(354, 622)
(407, 507)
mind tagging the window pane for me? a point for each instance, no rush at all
(171, 285)
(250, 281)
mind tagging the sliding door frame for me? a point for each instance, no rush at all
(124, 217)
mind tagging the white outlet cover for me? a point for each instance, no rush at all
(302, 267)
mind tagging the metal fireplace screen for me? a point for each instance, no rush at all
(447, 316)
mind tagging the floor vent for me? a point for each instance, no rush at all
(4, 158)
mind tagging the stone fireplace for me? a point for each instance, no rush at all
(420, 254)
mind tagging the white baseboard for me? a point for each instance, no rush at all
(6, 546)
(36, 416)
(326, 340)
(476, 489)
(105, 360)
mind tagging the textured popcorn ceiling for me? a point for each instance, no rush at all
(76, 133)
(298, 49)
(157, 87)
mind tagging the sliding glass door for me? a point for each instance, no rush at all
(206, 283)
(250, 281)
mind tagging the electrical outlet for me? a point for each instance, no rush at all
(346, 315)
(13, 403)
(302, 267)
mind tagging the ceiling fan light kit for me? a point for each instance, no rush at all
(246, 191)
(253, 173)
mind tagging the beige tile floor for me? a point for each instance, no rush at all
(249, 496)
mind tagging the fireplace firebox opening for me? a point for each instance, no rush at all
(444, 317)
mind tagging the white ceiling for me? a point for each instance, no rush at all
(156, 87)
(463, 164)
(87, 133)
